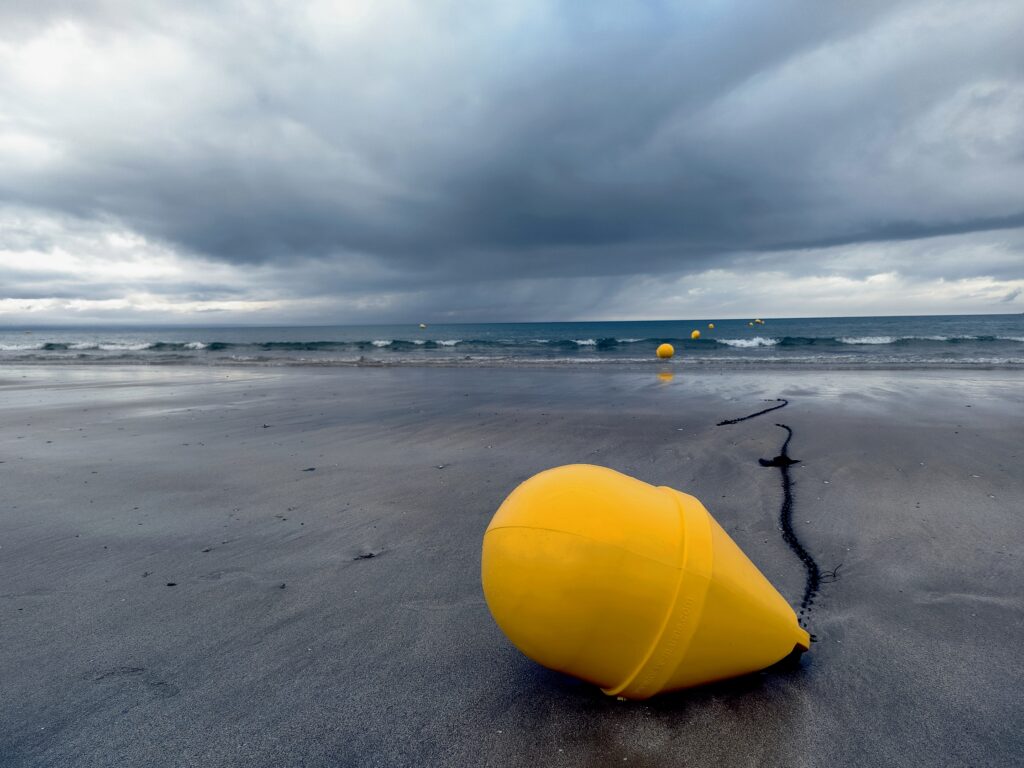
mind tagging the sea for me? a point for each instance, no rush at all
(954, 341)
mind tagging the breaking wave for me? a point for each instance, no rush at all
(868, 340)
(757, 341)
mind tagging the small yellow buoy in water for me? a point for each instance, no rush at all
(750, 324)
(695, 335)
(665, 351)
(711, 326)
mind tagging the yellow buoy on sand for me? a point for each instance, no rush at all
(665, 351)
(631, 587)
(695, 335)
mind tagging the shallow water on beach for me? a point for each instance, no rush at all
(941, 341)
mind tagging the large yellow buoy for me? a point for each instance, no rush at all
(665, 351)
(711, 326)
(631, 587)
(695, 335)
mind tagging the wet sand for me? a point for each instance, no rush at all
(257, 567)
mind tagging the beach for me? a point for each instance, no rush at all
(249, 566)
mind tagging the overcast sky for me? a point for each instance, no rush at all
(321, 162)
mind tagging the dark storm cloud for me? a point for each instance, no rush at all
(431, 144)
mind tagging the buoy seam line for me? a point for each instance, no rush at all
(813, 580)
(702, 582)
(759, 413)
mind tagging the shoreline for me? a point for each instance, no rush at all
(680, 364)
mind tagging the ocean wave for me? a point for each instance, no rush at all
(955, 338)
(589, 344)
(757, 341)
(851, 361)
(85, 346)
(867, 340)
(867, 347)
(20, 347)
(122, 347)
(269, 346)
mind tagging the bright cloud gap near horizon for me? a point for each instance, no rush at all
(254, 163)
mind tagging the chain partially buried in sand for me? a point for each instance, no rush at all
(813, 582)
(814, 576)
(759, 413)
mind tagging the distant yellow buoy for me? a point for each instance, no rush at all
(759, 321)
(695, 335)
(665, 351)
(711, 326)
(751, 325)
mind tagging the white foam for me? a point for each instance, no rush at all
(867, 340)
(419, 342)
(196, 345)
(628, 341)
(449, 342)
(381, 342)
(84, 345)
(757, 341)
(586, 342)
(19, 347)
(940, 338)
(1011, 338)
